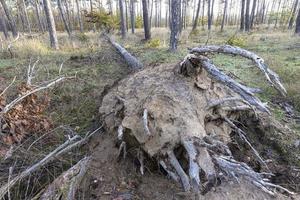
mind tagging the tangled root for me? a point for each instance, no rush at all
(181, 116)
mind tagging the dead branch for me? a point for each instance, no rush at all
(271, 76)
(17, 100)
(37, 166)
(67, 183)
(75, 141)
(132, 61)
(9, 46)
(8, 86)
(31, 72)
(240, 89)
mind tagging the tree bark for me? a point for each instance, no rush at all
(208, 15)
(197, 16)
(247, 16)
(224, 15)
(64, 18)
(297, 30)
(277, 14)
(175, 24)
(10, 19)
(292, 18)
(253, 13)
(3, 27)
(132, 16)
(51, 24)
(242, 26)
(123, 18)
(79, 17)
(38, 16)
(146, 20)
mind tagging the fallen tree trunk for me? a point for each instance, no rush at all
(271, 76)
(132, 61)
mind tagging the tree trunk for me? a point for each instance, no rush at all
(37, 11)
(297, 30)
(175, 24)
(23, 12)
(197, 16)
(79, 17)
(253, 13)
(212, 12)
(10, 19)
(242, 27)
(132, 16)
(146, 20)
(203, 8)
(3, 27)
(277, 14)
(123, 18)
(247, 16)
(64, 18)
(224, 15)
(51, 24)
(208, 15)
(292, 18)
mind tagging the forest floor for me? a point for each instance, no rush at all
(97, 66)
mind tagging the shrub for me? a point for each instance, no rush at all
(82, 37)
(236, 41)
(153, 43)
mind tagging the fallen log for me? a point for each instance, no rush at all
(132, 61)
(271, 76)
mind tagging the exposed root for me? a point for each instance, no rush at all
(122, 148)
(238, 169)
(171, 174)
(193, 165)
(140, 157)
(183, 177)
(145, 121)
(243, 137)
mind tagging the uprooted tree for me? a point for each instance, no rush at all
(183, 116)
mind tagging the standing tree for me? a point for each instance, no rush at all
(247, 16)
(175, 24)
(79, 16)
(297, 30)
(38, 16)
(208, 15)
(3, 27)
(242, 26)
(146, 20)
(224, 14)
(123, 18)
(292, 18)
(196, 19)
(132, 15)
(10, 18)
(253, 14)
(51, 24)
(64, 18)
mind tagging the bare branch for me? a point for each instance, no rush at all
(8, 86)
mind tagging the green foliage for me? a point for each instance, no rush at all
(153, 43)
(236, 41)
(104, 20)
(139, 22)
